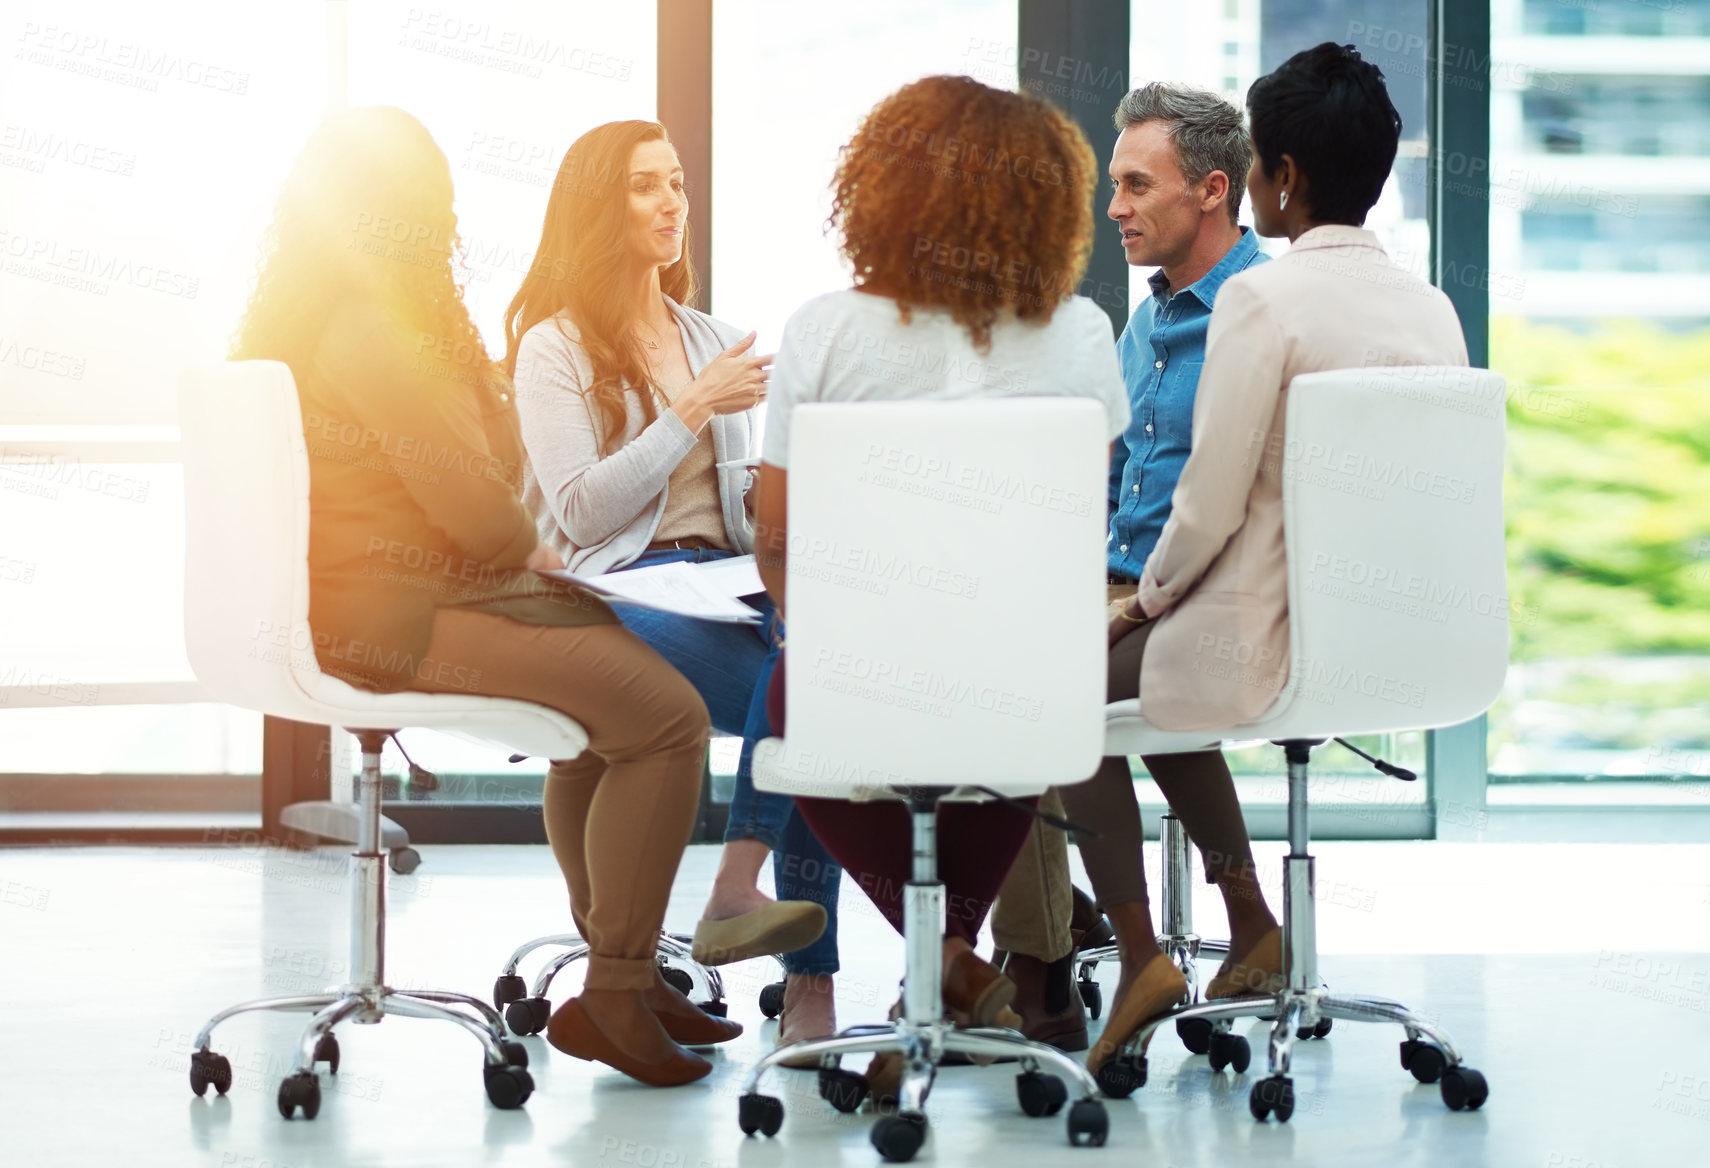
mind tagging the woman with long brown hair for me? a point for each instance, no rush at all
(420, 556)
(637, 412)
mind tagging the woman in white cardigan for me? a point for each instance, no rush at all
(629, 401)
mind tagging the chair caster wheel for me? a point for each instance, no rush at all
(716, 1008)
(1089, 1124)
(528, 1015)
(898, 1137)
(326, 1051)
(301, 1089)
(677, 979)
(1229, 1050)
(515, 1053)
(404, 860)
(844, 1090)
(1318, 1029)
(1092, 996)
(1122, 1075)
(1464, 1088)
(1272, 1096)
(759, 1113)
(1195, 1034)
(509, 1087)
(1426, 1062)
(772, 999)
(1040, 1094)
(208, 1069)
(508, 988)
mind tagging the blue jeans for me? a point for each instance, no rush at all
(729, 666)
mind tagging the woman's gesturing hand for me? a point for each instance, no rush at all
(732, 382)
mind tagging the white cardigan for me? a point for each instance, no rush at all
(599, 514)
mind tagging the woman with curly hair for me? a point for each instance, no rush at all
(420, 556)
(966, 215)
(636, 412)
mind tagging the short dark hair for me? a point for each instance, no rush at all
(1329, 111)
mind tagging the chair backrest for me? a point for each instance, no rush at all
(946, 592)
(246, 537)
(1398, 598)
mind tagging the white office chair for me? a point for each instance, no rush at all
(1392, 495)
(946, 637)
(246, 607)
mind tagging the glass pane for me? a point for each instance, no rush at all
(75, 739)
(1227, 47)
(470, 772)
(141, 149)
(91, 573)
(504, 87)
(1598, 207)
(808, 74)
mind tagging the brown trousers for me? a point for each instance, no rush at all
(619, 814)
(1032, 912)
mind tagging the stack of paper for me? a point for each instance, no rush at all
(705, 591)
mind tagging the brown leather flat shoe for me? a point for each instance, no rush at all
(573, 1032)
(1257, 971)
(977, 989)
(699, 1029)
(1157, 990)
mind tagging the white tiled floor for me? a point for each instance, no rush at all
(1577, 977)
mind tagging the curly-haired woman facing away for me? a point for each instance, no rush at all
(420, 553)
(966, 213)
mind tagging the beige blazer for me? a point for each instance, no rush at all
(1217, 580)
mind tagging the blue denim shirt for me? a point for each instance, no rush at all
(1161, 352)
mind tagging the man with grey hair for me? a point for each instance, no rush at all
(1178, 172)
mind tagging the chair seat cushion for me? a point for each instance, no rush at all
(517, 726)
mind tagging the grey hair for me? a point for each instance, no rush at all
(1208, 132)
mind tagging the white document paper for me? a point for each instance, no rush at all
(685, 589)
(737, 576)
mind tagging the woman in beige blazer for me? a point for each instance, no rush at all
(1204, 642)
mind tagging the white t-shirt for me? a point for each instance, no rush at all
(851, 346)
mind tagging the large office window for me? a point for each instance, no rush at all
(1600, 208)
(137, 144)
(141, 149)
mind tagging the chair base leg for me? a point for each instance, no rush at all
(923, 1037)
(527, 1006)
(1304, 1008)
(504, 1062)
(367, 999)
(1039, 1088)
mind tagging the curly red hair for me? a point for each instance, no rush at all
(956, 194)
